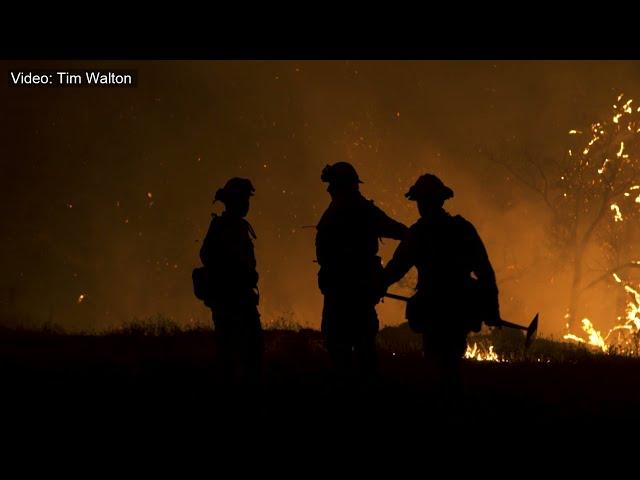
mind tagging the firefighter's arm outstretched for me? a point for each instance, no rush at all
(387, 227)
(401, 262)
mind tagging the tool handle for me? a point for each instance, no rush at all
(504, 323)
(396, 297)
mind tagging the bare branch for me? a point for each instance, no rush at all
(528, 183)
(610, 273)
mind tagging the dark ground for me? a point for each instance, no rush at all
(141, 389)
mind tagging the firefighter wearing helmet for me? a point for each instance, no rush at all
(228, 282)
(456, 289)
(350, 275)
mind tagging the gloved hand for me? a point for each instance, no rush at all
(494, 320)
(380, 290)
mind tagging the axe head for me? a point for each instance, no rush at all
(532, 331)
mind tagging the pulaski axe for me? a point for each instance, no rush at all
(531, 330)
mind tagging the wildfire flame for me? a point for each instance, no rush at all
(481, 354)
(624, 337)
(633, 308)
(595, 338)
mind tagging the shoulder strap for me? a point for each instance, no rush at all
(251, 230)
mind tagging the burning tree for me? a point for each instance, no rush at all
(593, 195)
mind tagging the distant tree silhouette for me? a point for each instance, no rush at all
(593, 195)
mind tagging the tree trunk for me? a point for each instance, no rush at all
(576, 291)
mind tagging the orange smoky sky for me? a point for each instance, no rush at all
(107, 193)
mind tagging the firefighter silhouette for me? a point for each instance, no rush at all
(350, 275)
(456, 289)
(230, 282)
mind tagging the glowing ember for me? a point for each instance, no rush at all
(617, 213)
(81, 298)
(601, 169)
